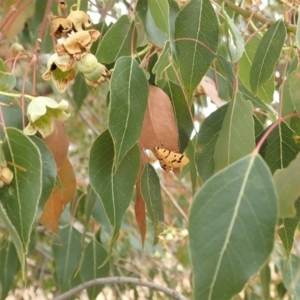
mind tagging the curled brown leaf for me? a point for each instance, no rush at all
(159, 126)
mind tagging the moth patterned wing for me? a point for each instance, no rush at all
(169, 159)
(166, 165)
(179, 160)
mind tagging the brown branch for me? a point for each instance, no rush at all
(121, 280)
(247, 14)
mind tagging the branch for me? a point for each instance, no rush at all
(121, 280)
(247, 14)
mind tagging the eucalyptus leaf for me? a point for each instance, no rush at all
(233, 143)
(117, 41)
(114, 187)
(196, 35)
(19, 201)
(267, 55)
(228, 243)
(150, 189)
(128, 102)
(67, 253)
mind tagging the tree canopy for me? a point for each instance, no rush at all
(150, 143)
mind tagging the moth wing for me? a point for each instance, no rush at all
(180, 163)
(166, 165)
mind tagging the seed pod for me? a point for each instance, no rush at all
(6, 175)
(88, 63)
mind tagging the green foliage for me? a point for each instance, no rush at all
(209, 80)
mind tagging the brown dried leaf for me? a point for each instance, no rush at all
(140, 212)
(58, 143)
(159, 127)
(140, 207)
(59, 198)
(208, 87)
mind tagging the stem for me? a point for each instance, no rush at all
(13, 9)
(247, 14)
(121, 280)
(16, 95)
(37, 46)
(78, 4)
(11, 20)
(180, 210)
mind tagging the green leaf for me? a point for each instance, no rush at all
(174, 9)
(66, 253)
(287, 105)
(19, 201)
(159, 10)
(228, 243)
(9, 266)
(256, 101)
(94, 256)
(117, 41)
(227, 72)
(99, 215)
(190, 153)
(287, 230)
(298, 31)
(290, 275)
(206, 142)
(264, 92)
(197, 28)
(236, 138)
(155, 35)
(80, 91)
(182, 113)
(91, 199)
(267, 55)
(150, 189)
(128, 102)
(293, 85)
(280, 148)
(12, 114)
(7, 80)
(49, 173)
(238, 41)
(114, 187)
(162, 63)
(287, 183)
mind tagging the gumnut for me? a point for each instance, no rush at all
(61, 70)
(80, 20)
(6, 175)
(99, 75)
(78, 44)
(60, 25)
(41, 112)
(17, 48)
(88, 63)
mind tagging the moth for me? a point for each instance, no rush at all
(170, 160)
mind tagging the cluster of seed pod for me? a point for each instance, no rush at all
(72, 53)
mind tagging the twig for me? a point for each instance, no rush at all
(121, 280)
(90, 125)
(247, 14)
(174, 202)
